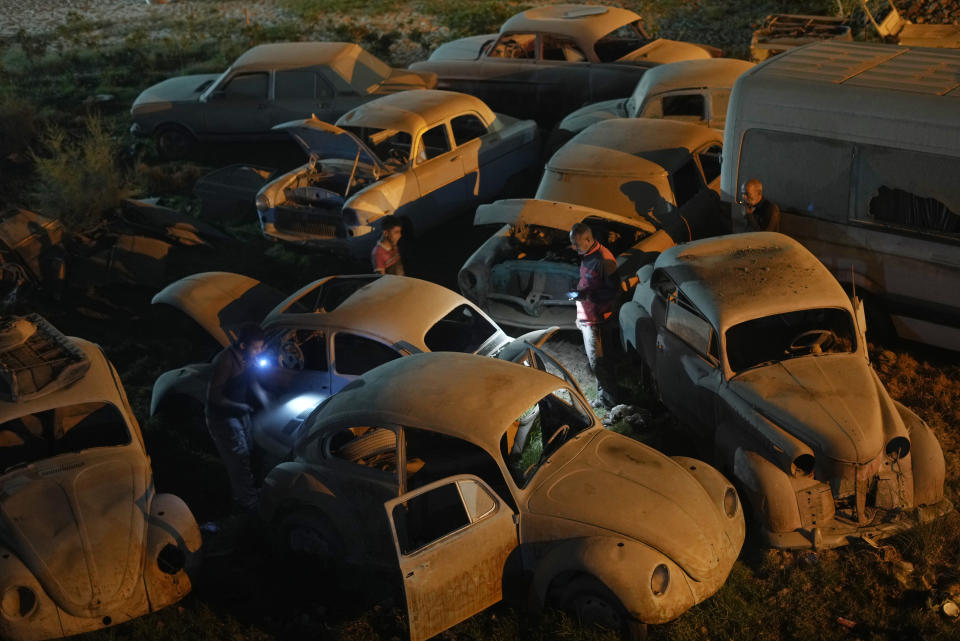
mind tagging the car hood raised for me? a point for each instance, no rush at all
(625, 487)
(331, 142)
(78, 522)
(833, 403)
(182, 89)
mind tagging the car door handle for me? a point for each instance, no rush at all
(455, 158)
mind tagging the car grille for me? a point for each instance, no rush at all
(295, 222)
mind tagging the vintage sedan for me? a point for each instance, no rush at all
(324, 335)
(548, 61)
(522, 275)
(86, 542)
(423, 155)
(479, 476)
(695, 91)
(661, 171)
(754, 345)
(267, 85)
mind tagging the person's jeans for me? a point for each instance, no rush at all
(234, 443)
(597, 343)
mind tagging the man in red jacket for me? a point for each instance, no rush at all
(595, 296)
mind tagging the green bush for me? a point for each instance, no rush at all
(470, 17)
(17, 124)
(79, 180)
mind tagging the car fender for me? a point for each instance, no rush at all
(769, 490)
(929, 469)
(42, 620)
(624, 566)
(171, 523)
(189, 381)
(716, 486)
(383, 197)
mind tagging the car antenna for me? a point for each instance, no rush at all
(853, 281)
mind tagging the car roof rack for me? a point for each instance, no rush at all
(36, 358)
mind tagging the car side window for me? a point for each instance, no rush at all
(690, 107)
(561, 48)
(515, 45)
(693, 330)
(430, 516)
(247, 86)
(663, 285)
(434, 142)
(301, 85)
(710, 162)
(687, 181)
(467, 127)
(354, 355)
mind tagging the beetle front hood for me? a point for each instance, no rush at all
(626, 487)
(182, 89)
(833, 403)
(78, 522)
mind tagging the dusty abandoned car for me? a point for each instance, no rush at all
(86, 542)
(419, 154)
(548, 61)
(522, 275)
(661, 171)
(695, 91)
(267, 85)
(322, 336)
(753, 344)
(496, 475)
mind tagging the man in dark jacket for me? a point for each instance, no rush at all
(227, 411)
(759, 213)
(595, 296)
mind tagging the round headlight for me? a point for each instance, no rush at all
(730, 502)
(171, 559)
(263, 203)
(660, 580)
(897, 447)
(18, 602)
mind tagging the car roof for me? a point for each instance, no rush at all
(549, 213)
(739, 277)
(470, 397)
(631, 147)
(395, 308)
(342, 57)
(412, 111)
(98, 384)
(585, 23)
(691, 74)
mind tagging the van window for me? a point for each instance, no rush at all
(915, 190)
(802, 174)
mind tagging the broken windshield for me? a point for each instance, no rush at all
(63, 430)
(771, 339)
(531, 440)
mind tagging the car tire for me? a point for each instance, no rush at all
(306, 535)
(594, 605)
(173, 142)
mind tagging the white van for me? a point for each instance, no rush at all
(859, 145)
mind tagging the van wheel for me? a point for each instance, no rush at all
(594, 605)
(173, 142)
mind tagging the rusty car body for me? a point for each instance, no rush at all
(781, 32)
(85, 540)
(522, 275)
(695, 91)
(549, 60)
(753, 344)
(268, 84)
(496, 475)
(662, 171)
(423, 155)
(322, 336)
(877, 203)
(893, 27)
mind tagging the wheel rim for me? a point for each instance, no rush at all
(173, 142)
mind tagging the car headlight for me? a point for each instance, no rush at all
(171, 559)
(660, 580)
(263, 203)
(18, 602)
(730, 502)
(897, 447)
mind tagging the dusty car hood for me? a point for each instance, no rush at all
(404, 79)
(625, 487)
(182, 89)
(78, 522)
(585, 116)
(832, 403)
(662, 50)
(330, 142)
(546, 213)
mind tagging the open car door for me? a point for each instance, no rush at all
(220, 302)
(452, 538)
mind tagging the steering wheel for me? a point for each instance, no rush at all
(291, 356)
(814, 341)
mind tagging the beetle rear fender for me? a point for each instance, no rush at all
(769, 491)
(625, 567)
(929, 469)
(290, 486)
(172, 550)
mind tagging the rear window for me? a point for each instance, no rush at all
(462, 330)
(72, 428)
(620, 42)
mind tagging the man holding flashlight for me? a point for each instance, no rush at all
(228, 413)
(595, 295)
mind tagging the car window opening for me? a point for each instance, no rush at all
(428, 517)
(463, 329)
(620, 42)
(515, 45)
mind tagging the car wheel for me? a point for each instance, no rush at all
(306, 535)
(173, 142)
(594, 605)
